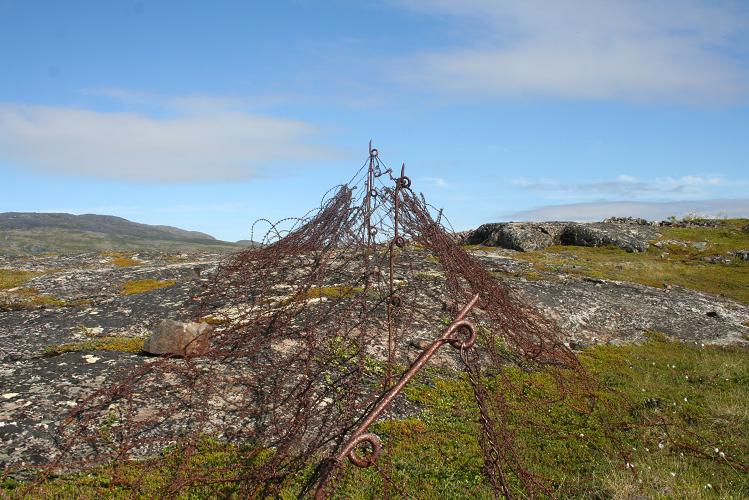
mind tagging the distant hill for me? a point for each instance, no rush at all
(33, 233)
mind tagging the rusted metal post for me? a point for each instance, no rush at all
(361, 435)
(394, 301)
(369, 238)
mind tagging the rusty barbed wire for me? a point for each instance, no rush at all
(311, 329)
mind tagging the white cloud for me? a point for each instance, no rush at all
(685, 50)
(437, 182)
(586, 212)
(191, 103)
(209, 142)
(688, 186)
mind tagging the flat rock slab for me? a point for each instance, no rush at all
(104, 309)
(37, 394)
(593, 311)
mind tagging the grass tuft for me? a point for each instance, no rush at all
(12, 278)
(143, 286)
(334, 292)
(30, 298)
(121, 259)
(120, 344)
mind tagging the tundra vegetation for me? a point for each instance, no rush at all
(14, 296)
(699, 258)
(699, 389)
(691, 389)
(142, 286)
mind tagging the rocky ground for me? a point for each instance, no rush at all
(39, 383)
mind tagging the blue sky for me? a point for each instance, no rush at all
(209, 115)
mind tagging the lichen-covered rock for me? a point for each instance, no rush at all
(741, 254)
(521, 236)
(529, 236)
(638, 221)
(178, 338)
(629, 237)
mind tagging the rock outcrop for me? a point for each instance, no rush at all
(741, 254)
(178, 338)
(529, 236)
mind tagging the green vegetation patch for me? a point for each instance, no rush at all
(334, 292)
(121, 344)
(479, 247)
(682, 264)
(122, 259)
(322, 292)
(727, 237)
(142, 286)
(697, 391)
(673, 265)
(528, 274)
(30, 298)
(217, 463)
(12, 278)
(677, 414)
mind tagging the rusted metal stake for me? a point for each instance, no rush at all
(361, 435)
(401, 182)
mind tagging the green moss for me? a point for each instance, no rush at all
(699, 391)
(438, 455)
(530, 275)
(215, 461)
(432, 259)
(429, 276)
(11, 278)
(483, 248)
(214, 320)
(121, 344)
(334, 292)
(30, 298)
(142, 286)
(176, 258)
(121, 259)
